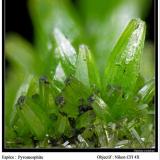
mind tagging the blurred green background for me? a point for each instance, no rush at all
(101, 20)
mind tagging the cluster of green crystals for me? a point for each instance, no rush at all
(72, 106)
(62, 98)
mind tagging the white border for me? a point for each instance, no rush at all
(79, 155)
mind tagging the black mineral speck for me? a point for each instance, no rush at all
(60, 100)
(84, 108)
(68, 81)
(72, 122)
(21, 100)
(53, 141)
(91, 99)
(35, 141)
(63, 114)
(43, 80)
